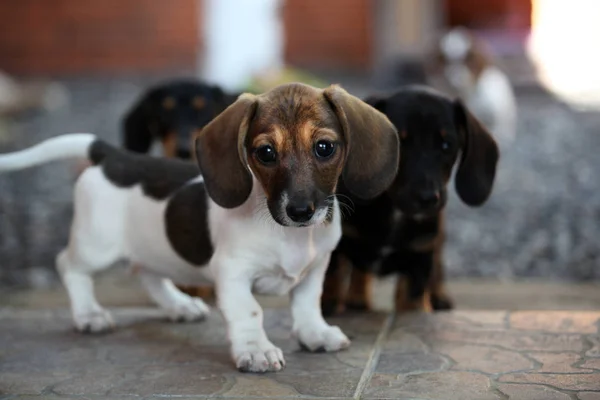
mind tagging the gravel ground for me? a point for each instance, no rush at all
(541, 220)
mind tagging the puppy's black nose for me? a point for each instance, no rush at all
(300, 212)
(429, 198)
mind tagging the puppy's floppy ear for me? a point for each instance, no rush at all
(221, 154)
(373, 148)
(477, 169)
(137, 134)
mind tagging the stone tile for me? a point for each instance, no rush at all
(511, 340)
(70, 397)
(258, 386)
(594, 341)
(588, 395)
(401, 340)
(593, 363)
(476, 320)
(436, 356)
(490, 319)
(448, 385)
(556, 321)
(557, 362)
(175, 380)
(445, 327)
(319, 384)
(484, 359)
(29, 380)
(588, 381)
(397, 362)
(234, 398)
(531, 392)
(146, 356)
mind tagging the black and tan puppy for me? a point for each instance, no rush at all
(402, 231)
(172, 112)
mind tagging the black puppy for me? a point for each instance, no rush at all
(402, 231)
(172, 112)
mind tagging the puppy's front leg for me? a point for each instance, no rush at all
(309, 327)
(251, 350)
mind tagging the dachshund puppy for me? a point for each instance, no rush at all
(172, 113)
(402, 231)
(261, 217)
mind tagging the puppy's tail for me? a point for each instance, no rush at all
(74, 145)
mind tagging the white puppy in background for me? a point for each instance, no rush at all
(464, 64)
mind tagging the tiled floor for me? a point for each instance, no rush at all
(462, 355)
(479, 352)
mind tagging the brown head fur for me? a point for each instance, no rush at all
(297, 141)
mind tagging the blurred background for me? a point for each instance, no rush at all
(77, 66)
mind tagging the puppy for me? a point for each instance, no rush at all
(402, 231)
(262, 217)
(465, 65)
(171, 112)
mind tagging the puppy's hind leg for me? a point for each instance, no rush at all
(178, 305)
(87, 313)
(95, 243)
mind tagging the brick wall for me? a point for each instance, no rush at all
(100, 36)
(74, 36)
(328, 33)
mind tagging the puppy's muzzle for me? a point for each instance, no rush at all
(300, 211)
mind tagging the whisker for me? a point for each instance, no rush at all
(346, 209)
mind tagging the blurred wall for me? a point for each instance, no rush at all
(61, 37)
(72, 36)
(489, 14)
(405, 28)
(329, 34)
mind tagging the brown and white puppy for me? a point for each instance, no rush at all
(463, 64)
(401, 231)
(261, 217)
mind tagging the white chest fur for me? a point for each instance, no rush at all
(274, 257)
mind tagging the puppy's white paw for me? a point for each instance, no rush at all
(94, 322)
(258, 357)
(188, 309)
(324, 338)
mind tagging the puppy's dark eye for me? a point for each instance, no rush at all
(324, 149)
(445, 146)
(266, 154)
